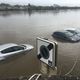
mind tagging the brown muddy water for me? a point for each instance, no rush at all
(23, 27)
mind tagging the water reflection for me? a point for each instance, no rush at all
(30, 12)
(9, 13)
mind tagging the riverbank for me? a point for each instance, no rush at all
(29, 7)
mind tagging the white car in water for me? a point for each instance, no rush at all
(10, 49)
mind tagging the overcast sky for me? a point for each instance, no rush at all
(43, 2)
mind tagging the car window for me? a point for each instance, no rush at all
(73, 31)
(12, 49)
(68, 34)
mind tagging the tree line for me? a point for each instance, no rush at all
(29, 7)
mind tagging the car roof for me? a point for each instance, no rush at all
(4, 46)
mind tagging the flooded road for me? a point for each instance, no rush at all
(23, 27)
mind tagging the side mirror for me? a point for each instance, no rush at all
(47, 52)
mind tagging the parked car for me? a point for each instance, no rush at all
(71, 35)
(9, 49)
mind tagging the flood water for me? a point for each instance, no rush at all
(23, 27)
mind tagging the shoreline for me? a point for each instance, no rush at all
(30, 7)
(40, 9)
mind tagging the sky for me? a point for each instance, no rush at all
(43, 2)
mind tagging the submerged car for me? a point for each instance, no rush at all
(9, 49)
(71, 35)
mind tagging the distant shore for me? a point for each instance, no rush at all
(29, 7)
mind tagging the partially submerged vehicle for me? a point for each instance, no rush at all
(70, 34)
(10, 49)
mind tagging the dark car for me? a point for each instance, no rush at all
(71, 35)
